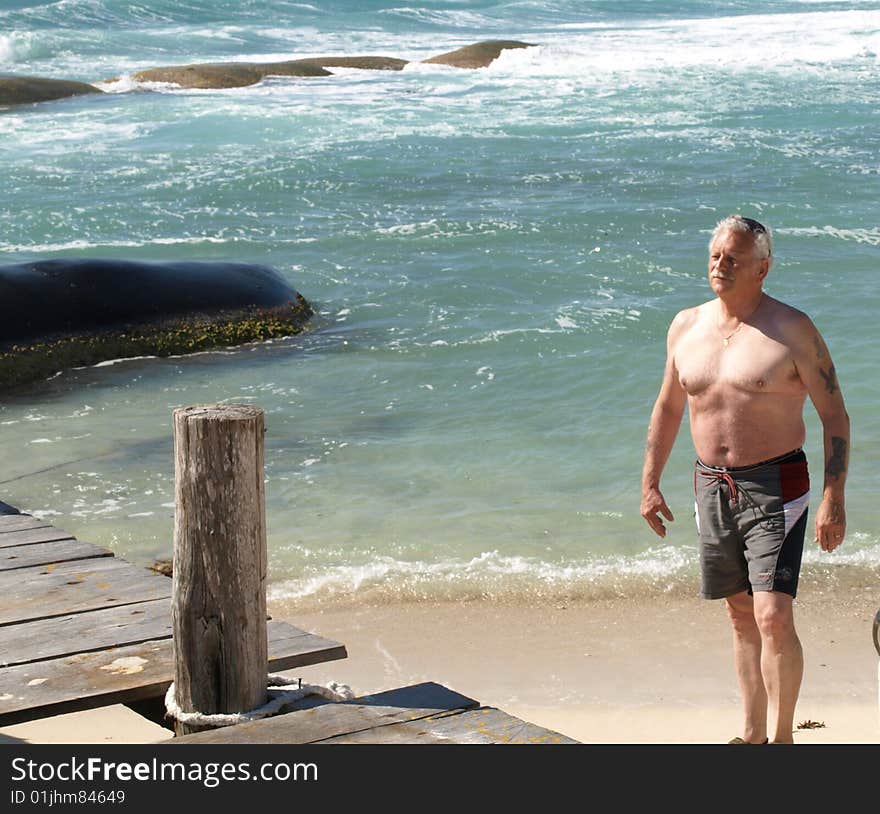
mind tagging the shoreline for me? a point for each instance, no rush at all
(657, 670)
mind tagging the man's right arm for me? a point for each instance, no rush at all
(662, 431)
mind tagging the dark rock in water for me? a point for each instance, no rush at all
(229, 75)
(478, 55)
(364, 63)
(56, 314)
(22, 90)
(242, 74)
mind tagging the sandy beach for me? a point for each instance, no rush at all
(650, 671)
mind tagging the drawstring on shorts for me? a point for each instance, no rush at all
(725, 477)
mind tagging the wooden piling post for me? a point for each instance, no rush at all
(219, 571)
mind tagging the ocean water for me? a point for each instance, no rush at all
(494, 256)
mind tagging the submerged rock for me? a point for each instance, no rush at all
(17, 90)
(228, 75)
(364, 63)
(23, 90)
(242, 74)
(58, 314)
(478, 55)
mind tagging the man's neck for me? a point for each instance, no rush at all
(739, 308)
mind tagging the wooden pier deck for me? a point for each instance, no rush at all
(420, 713)
(81, 628)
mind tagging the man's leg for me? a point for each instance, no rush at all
(782, 659)
(747, 650)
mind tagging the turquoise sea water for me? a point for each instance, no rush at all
(495, 256)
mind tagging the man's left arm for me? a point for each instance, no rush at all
(818, 374)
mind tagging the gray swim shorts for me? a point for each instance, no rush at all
(751, 522)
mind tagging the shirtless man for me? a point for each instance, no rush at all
(743, 364)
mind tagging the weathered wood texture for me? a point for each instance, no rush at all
(84, 632)
(325, 720)
(422, 713)
(27, 536)
(30, 554)
(219, 572)
(80, 628)
(58, 589)
(16, 521)
(482, 725)
(72, 587)
(130, 673)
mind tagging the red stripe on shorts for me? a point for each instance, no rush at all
(794, 480)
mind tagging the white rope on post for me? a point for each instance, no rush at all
(332, 692)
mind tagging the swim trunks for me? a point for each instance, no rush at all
(751, 522)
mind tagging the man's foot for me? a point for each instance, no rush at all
(739, 740)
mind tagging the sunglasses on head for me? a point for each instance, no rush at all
(753, 225)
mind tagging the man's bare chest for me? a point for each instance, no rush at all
(751, 362)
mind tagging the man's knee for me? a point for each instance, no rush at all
(741, 611)
(774, 614)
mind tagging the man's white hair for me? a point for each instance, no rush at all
(760, 233)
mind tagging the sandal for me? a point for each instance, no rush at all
(739, 740)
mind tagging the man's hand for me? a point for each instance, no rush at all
(830, 523)
(653, 505)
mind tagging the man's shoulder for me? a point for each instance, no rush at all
(790, 326)
(786, 317)
(688, 317)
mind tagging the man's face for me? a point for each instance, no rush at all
(734, 265)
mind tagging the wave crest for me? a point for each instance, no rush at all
(24, 46)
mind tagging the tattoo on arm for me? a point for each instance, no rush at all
(821, 353)
(830, 379)
(835, 512)
(836, 465)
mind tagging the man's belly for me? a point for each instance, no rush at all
(740, 437)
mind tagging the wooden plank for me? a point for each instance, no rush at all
(482, 725)
(329, 720)
(26, 556)
(59, 589)
(292, 648)
(45, 534)
(130, 674)
(85, 632)
(16, 522)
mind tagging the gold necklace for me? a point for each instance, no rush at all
(730, 335)
(742, 322)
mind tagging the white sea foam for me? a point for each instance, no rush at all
(20, 46)
(9, 49)
(487, 574)
(869, 236)
(495, 575)
(80, 244)
(772, 41)
(111, 362)
(125, 83)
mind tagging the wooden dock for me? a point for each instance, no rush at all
(421, 713)
(81, 628)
